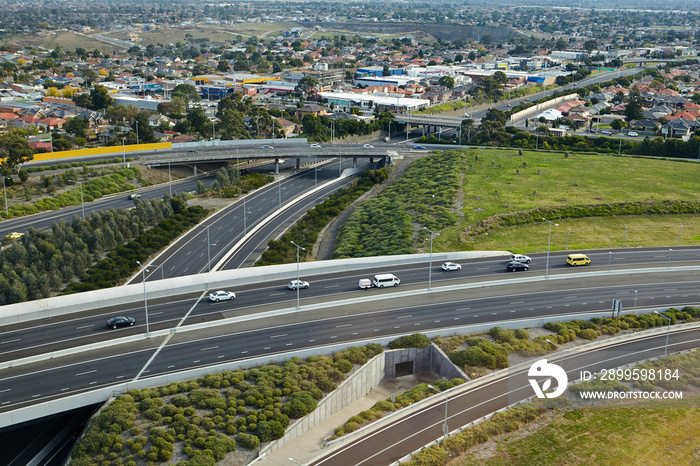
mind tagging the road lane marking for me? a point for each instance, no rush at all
(195, 362)
(310, 341)
(404, 317)
(219, 357)
(208, 348)
(85, 326)
(331, 286)
(170, 366)
(275, 294)
(494, 313)
(244, 352)
(267, 347)
(463, 309)
(518, 302)
(189, 252)
(512, 312)
(6, 390)
(92, 383)
(10, 341)
(278, 336)
(343, 325)
(64, 389)
(36, 396)
(355, 333)
(376, 330)
(88, 372)
(290, 344)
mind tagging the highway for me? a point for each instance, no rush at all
(407, 434)
(190, 254)
(37, 337)
(360, 322)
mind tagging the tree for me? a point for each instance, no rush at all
(633, 109)
(447, 81)
(188, 90)
(76, 126)
(14, 150)
(617, 124)
(82, 100)
(223, 66)
(306, 84)
(590, 45)
(145, 131)
(199, 121)
(500, 77)
(100, 98)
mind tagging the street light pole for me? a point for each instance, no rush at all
(4, 192)
(549, 241)
(430, 263)
(123, 153)
(170, 181)
(444, 425)
(667, 332)
(561, 352)
(669, 258)
(297, 287)
(137, 132)
(635, 300)
(82, 204)
(145, 297)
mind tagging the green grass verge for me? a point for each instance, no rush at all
(500, 182)
(607, 436)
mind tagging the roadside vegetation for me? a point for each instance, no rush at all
(197, 422)
(305, 231)
(51, 189)
(392, 222)
(120, 263)
(41, 262)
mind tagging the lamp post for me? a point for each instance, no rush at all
(670, 251)
(213, 131)
(145, 297)
(137, 132)
(4, 192)
(635, 300)
(609, 260)
(209, 245)
(245, 220)
(430, 262)
(82, 204)
(170, 180)
(561, 352)
(292, 460)
(549, 241)
(667, 332)
(123, 153)
(315, 170)
(280, 188)
(297, 287)
(444, 425)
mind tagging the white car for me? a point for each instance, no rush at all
(222, 296)
(368, 146)
(266, 147)
(633, 134)
(315, 146)
(448, 266)
(522, 258)
(365, 283)
(294, 284)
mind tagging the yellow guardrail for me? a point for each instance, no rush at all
(116, 150)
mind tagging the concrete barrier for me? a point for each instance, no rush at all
(62, 305)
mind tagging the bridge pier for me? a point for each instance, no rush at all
(298, 163)
(277, 166)
(354, 162)
(371, 160)
(194, 169)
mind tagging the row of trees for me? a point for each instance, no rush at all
(41, 262)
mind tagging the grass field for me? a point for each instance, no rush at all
(500, 181)
(606, 436)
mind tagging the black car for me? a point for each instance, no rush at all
(120, 321)
(516, 266)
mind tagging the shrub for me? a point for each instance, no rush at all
(522, 334)
(417, 340)
(250, 442)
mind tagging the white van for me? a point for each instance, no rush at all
(385, 279)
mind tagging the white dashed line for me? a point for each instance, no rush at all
(209, 348)
(278, 336)
(84, 373)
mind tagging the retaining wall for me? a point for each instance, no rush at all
(543, 106)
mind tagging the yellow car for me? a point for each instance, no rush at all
(14, 235)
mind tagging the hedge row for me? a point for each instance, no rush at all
(591, 210)
(121, 263)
